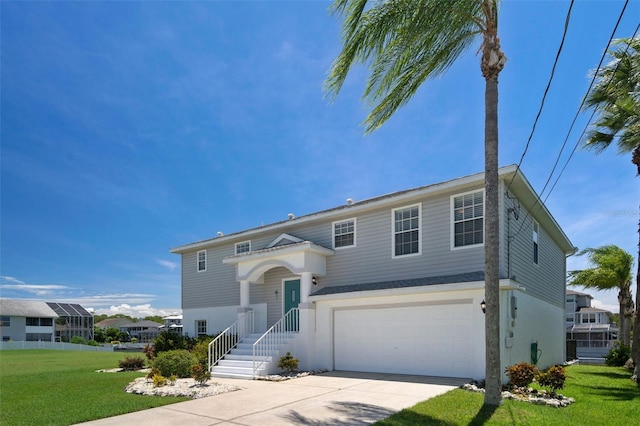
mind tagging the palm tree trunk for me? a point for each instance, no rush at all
(491, 64)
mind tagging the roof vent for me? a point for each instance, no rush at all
(291, 216)
(349, 201)
(220, 234)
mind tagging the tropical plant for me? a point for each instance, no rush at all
(405, 42)
(611, 270)
(616, 96)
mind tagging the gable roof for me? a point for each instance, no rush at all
(26, 308)
(518, 184)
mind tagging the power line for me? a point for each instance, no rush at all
(538, 201)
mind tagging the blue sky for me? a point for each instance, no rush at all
(129, 128)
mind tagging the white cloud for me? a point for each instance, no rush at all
(11, 279)
(167, 264)
(38, 290)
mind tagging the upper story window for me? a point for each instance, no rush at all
(202, 260)
(41, 322)
(468, 219)
(344, 233)
(5, 321)
(535, 242)
(406, 230)
(243, 247)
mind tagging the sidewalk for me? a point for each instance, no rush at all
(334, 398)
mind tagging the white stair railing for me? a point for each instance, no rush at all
(229, 338)
(274, 338)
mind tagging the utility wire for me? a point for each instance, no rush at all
(584, 130)
(546, 91)
(538, 201)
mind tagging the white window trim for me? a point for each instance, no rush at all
(393, 232)
(240, 243)
(333, 233)
(197, 326)
(452, 220)
(536, 240)
(198, 261)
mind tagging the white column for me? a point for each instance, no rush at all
(305, 286)
(244, 294)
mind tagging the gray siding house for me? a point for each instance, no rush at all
(390, 284)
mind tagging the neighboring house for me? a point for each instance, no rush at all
(173, 323)
(589, 327)
(391, 284)
(73, 320)
(144, 331)
(113, 323)
(27, 320)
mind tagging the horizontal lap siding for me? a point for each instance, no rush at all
(217, 286)
(546, 280)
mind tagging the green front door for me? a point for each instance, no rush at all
(291, 300)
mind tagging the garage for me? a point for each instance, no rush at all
(432, 339)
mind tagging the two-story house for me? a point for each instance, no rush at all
(589, 327)
(390, 284)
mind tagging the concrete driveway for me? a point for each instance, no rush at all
(333, 398)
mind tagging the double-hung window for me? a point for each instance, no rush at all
(406, 230)
(468, 219)
(202, 260)
(243, 247)
(201, 327)
(344, 233)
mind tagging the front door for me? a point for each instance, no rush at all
(291, 300)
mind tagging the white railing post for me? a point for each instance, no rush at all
(230, 337)
(273, 338)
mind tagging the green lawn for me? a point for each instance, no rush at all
(604, 396)
(42, 387)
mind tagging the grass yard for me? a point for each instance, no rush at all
(604, 396)
(44, 387)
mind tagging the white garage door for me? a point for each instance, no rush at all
(431, 340)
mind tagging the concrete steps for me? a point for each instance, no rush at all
(238, 363)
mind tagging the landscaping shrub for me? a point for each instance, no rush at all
(200, 374)
(147, 350)
(176, 362)
(131, 363)
(158, 380)
(288, 363)
(93, 343)
(170, 341)
(553, 378)
(522, 374)
(78, 340)
(618, 355)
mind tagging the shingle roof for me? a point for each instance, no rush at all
(26, 308)
(415, 282)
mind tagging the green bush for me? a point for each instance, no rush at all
(201, 351)
(288, 363)
(158, 380)
(93, 343)
(170, 341)
(176, 362)
(618, 355)
(130, 363)
(553, 378)
(522, 374)
(78, 340)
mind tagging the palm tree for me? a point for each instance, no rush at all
(616, 96)
(405, 42)
(611, 270)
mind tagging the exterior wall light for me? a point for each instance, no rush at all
(314, 280)
(483, 306)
